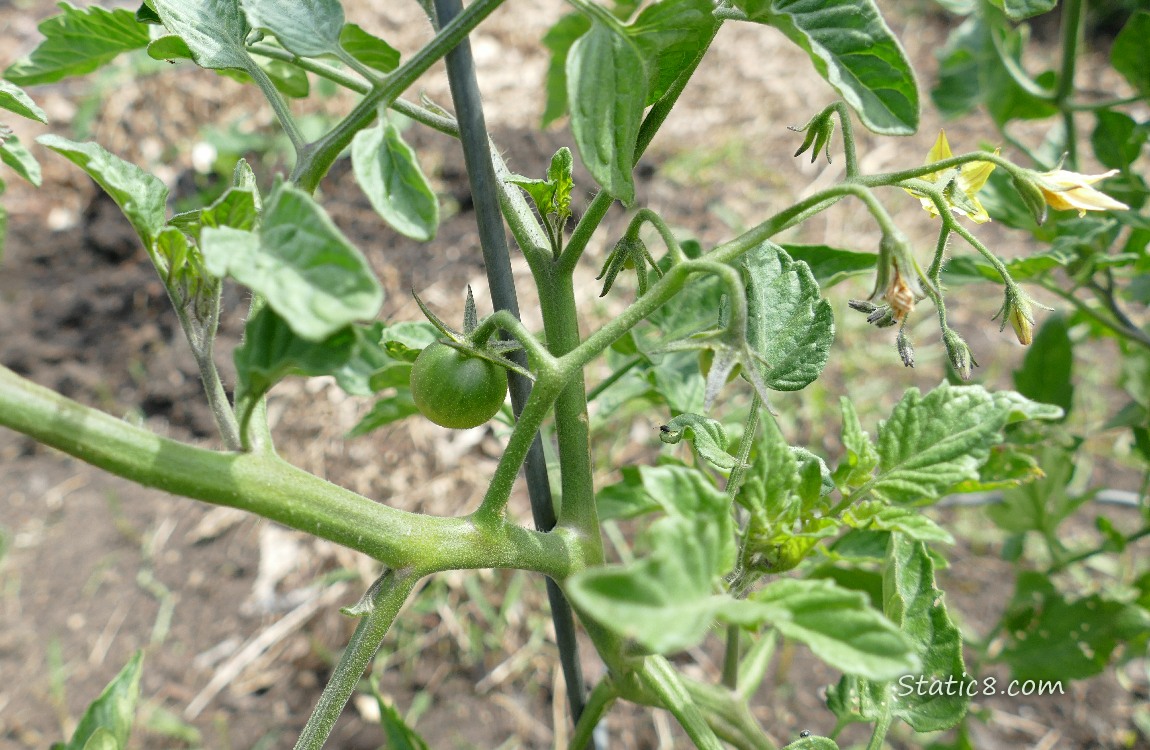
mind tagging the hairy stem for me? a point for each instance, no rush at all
(387, 596)
(268, 486)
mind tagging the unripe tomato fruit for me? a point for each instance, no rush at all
(454, 389)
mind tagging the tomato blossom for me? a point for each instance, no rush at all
(959, 189)
(1065, 191)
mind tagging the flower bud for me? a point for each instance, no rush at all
(905, 349)
(1031, 196)
(819, 130)
(961, 358)
(1018, 310)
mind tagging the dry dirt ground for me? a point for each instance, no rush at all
(238, 617)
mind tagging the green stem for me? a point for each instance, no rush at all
(1135, 335)
(614, 377)
(201, 338)
(878, 734)
(849, 153)
(1072, 14)
(279, 106)
(602, 697)
(387, 596)
(266, 485)
(730, 679)
(646, 215)
(485, 190)
(660, 678)
(319, 156)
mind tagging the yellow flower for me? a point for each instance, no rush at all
(1065, 191)
(961, 188)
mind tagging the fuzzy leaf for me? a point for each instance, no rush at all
(851, 47)
(301, 263)
(76, 42)
(141, 196)
(368, 48)
(20, 159)
(388, 171)
(307, 28)
(214, 30)
(607, 91)
(706, 435)
(13, 99)
(789, 324)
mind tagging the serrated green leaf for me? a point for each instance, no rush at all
(141, 196)
(13, 99)
(114, 710)
(871, 514)
(830, 265)
(558, 41)
(20, 159)
(300, 263)
(214, 30)
(861, 458)
(76, 42)
(789, 324)
(607, 91)
(851, 47)
(934, 442)
(1052, 638)
(368, 48)
(706, 435)
(770, 490)
(1020, 10)
(670, 35)
(306, 28)
(914, 603)
(388, 172)
(1043, 504)
(1130, 56)
(837, 624)
(1045, 373)
(559, 174)
(665, 602)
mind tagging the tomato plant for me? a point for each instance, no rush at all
(737, 527)
(455, 389)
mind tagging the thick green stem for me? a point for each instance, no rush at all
(388, 594)
(266, 485)
(1072, 14)
(485, 191)
(659, 677)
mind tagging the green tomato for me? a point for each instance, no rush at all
(454, 389)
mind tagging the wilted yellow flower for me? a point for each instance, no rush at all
(1065, 191)
(960, 194)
